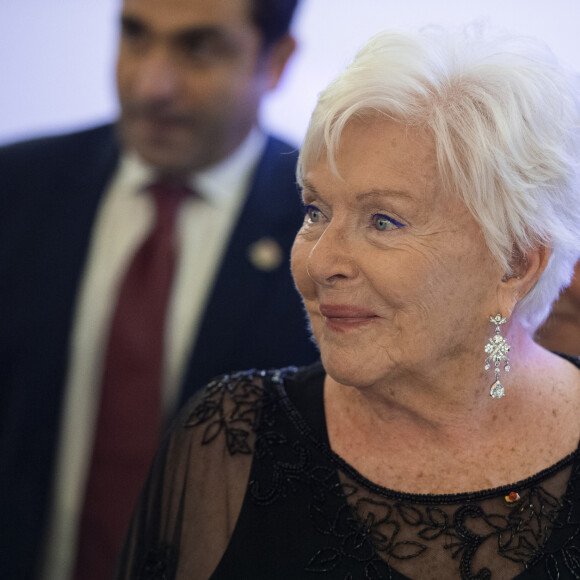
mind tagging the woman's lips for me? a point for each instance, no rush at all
(343, 317)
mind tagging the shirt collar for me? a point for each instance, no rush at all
(219, 184)
(231, 176)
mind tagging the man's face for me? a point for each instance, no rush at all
(190, 77)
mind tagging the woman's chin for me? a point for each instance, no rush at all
(350, 371)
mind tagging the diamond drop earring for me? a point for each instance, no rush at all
(497, 349)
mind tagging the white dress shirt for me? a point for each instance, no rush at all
(124, 220)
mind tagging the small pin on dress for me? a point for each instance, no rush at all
(513, 497)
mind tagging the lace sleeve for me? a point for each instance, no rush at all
(193, 495)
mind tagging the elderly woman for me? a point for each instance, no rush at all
(435, 440)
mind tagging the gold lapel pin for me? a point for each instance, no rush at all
(265, 254)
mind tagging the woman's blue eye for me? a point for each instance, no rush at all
(384, 223)
(313, 213)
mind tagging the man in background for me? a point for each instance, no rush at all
(139, 260)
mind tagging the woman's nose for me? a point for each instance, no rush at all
(331, 261)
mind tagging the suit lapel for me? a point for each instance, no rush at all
(267, 223)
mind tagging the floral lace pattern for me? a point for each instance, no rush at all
(159, 564)
(369, 531)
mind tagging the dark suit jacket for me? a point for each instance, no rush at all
(50, 191)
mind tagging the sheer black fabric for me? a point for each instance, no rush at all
(246, 486)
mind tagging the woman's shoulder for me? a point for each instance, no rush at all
(232, 405)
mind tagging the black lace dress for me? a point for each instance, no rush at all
(246, 487)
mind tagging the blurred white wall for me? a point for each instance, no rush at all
(57, 56)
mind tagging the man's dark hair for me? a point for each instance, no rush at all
(273, 18)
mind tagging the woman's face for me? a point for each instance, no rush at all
(395, 275)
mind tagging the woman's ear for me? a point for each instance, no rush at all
(526, 269)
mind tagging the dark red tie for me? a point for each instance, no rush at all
(130, 415)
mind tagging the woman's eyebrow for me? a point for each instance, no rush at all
(373, 194)
(308, 187)
(380, 193)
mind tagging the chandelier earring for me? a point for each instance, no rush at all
(497, 349)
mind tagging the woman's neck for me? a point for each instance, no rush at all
(447, 423)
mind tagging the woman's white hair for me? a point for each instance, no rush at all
(505, 118)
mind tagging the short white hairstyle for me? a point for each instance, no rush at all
(505, 118)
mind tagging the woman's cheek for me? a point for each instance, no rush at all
(299, 266)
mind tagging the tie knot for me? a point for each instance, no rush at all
(168, 196)
(168, 188)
